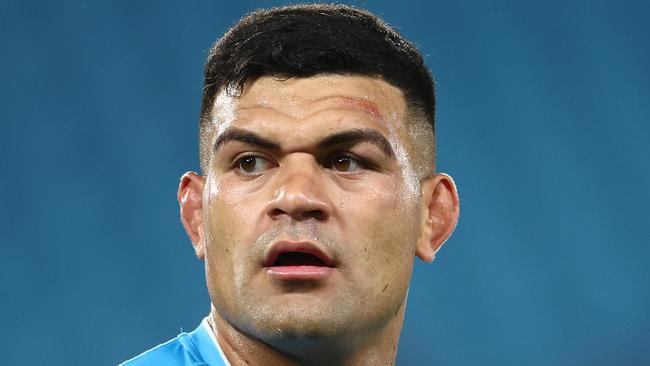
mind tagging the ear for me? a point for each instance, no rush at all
(190, 199)
(439, 215)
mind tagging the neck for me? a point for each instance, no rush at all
(376, 348)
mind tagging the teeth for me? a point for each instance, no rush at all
(298, 259)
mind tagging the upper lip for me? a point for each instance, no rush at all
(284, 246)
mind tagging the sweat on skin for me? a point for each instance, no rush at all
(365, 207)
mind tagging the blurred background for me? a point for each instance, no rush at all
(543, 120)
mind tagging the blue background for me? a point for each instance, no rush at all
(543, 120)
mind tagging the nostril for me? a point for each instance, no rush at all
(276, 212)
(314, 214)
(318, 215)
(299, 204)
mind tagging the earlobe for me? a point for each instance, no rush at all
(190, 199)
(440, 211)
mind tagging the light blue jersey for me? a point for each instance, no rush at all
(197, 348)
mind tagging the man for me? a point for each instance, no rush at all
(318, 190)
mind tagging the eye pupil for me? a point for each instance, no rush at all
(342, 163)
(247, 164)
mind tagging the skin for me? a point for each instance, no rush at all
(353, 199)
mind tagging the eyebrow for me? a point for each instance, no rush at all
(238, 134)
(359, 135)
(356, 135)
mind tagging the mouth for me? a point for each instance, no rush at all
(298, 261)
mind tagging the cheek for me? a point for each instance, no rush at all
(229, 262)
(380, 265)
(232, 212)
(231, 223)
(382, 228)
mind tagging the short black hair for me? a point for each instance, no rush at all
(312, 39)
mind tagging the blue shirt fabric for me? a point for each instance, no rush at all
(196, 348)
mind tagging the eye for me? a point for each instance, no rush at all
(252, 164)
(345, 163)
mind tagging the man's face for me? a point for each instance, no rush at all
(311, 208)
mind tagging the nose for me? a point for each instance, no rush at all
(299, 190)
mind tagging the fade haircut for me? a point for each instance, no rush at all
(308, 40)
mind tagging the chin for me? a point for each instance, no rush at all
(299, 321)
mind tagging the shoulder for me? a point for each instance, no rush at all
(176, 352)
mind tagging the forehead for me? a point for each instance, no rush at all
(300, 98)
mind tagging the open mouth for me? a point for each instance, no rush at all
(298, 261)
(291, 259)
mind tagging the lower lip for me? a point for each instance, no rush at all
(299, 273)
